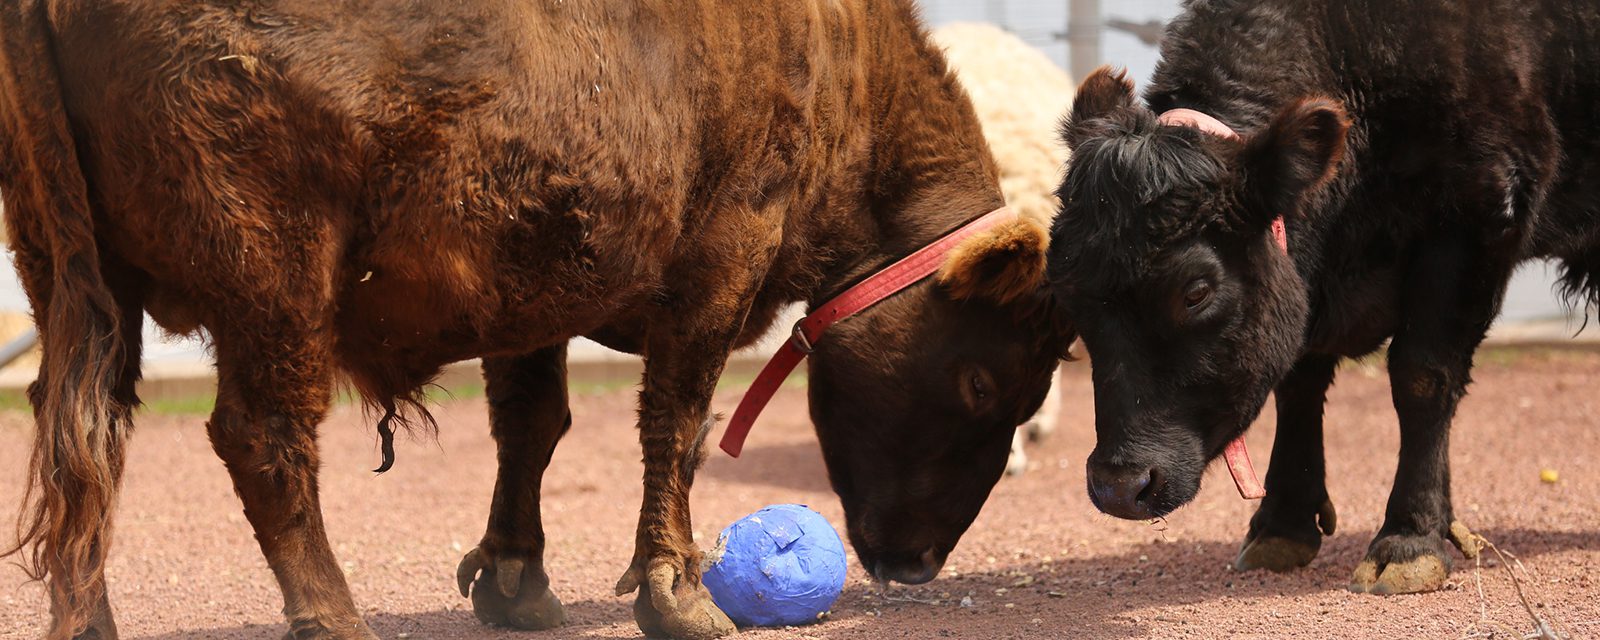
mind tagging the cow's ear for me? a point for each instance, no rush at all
(1293, 157)
(1102, 93)
(1001, 264)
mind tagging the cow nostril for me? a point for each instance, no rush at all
(1152, 485)
(1124, 492)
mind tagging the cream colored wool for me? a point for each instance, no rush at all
(1019, 95)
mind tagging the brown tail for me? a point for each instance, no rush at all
(78, 446)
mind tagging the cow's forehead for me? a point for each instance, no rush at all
(1127, 198)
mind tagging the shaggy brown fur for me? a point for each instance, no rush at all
(383, 188)
(1003, 265)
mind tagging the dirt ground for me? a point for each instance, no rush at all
(1039, 563)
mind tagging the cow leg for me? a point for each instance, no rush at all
(681, 373)
(1040, 426)
(273, 389)
(528, 414)
(1018, 462)
(1454, 292)
(1286, 531)
(674, 419)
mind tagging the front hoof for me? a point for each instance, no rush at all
(669, 607)
(1398, 564)
(319, 630)
(1281, 542)
(509, 592)
(1274, 554)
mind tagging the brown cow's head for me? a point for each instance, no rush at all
(915, 400)
(1164, 259)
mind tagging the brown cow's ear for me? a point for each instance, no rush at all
(1001, 264)
(1293, 157)
(1101, 94)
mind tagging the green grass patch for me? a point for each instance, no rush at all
(187, 405)
(201, 404)
(14, 401)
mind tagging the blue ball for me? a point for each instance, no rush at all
(782, 565)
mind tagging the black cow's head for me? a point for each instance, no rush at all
(1165, 262)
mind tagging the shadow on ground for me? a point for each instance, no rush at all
(1092, 596)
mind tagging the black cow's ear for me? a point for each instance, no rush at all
(1293, 157)
(1102, 93)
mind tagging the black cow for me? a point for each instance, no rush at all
(1418, 150)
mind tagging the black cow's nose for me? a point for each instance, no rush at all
(909, 570)
(1124, 492)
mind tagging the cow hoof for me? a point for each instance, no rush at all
(1281, 543)
(669, 607)
(1274, 554)
(509, 592)
(316, 630)
(1398, 564)
(97, 633)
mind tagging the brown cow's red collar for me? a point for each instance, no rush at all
(1237, 456)
(808, 330)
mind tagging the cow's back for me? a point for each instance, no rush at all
(483, 176)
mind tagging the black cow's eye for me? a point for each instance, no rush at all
(1197, 294)
(979, 388)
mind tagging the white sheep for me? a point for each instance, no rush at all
(1019, 94)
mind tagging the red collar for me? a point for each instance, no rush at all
(1236, 455)
(808, 330)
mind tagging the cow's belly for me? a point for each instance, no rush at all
(1354, 315)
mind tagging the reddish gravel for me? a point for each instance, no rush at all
(1039, 563)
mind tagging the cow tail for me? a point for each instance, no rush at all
(64, 528)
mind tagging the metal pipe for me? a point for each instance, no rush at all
(1083, 37)
(18, 346)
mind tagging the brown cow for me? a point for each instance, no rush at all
(381, 188)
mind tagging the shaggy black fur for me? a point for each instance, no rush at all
(1420, 150)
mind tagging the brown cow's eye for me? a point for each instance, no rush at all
(1197, 294)
(979, 389)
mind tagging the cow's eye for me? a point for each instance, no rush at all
(977, 389)
(1196, 294)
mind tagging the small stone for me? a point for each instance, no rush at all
(966, 602)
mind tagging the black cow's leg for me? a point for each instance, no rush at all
(1454, 291)
(1287, 530)
(528, 414)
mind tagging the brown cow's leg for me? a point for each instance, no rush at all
(528, 414)
(1286, 531)
(674, 418)
(272, 391)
